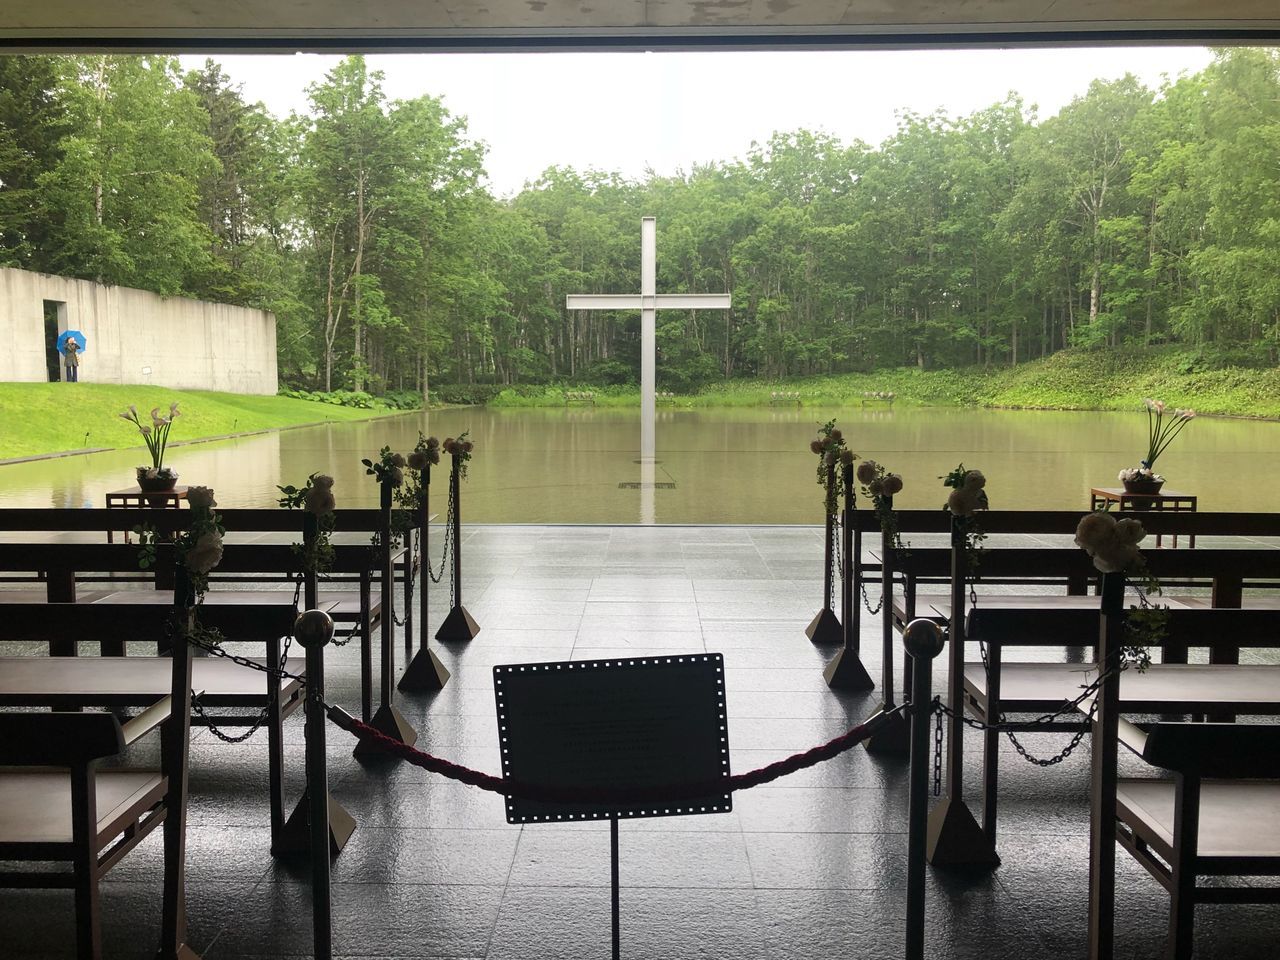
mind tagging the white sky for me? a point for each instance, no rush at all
(629, 112)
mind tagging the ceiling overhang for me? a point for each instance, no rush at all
(480, 25)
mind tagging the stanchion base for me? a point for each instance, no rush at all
(955, 839)
(425, 672)
(824, 629)
(846, 672)
(387, 720)
(458, 627)
(182, 953)
(893, 739)
(295, 839)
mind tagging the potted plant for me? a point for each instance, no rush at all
(1162, 426)
(156, 478)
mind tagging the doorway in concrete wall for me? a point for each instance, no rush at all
(55, 321)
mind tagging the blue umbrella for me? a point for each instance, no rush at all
(66, 335)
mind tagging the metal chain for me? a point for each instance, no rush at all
(448, 541)
(937, 750)
(277, 673)
(866, 601)
(412, 567)
(337, 641)
(198, 708)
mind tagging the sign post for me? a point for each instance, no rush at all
(650, 724)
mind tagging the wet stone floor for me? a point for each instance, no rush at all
(811, 866)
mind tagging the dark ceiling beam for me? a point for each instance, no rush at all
(965, 36)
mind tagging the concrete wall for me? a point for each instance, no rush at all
(136, 337)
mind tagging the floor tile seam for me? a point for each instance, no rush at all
(506, 885)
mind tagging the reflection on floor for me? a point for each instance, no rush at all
(809, 867)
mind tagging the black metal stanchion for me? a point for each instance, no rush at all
(300, 830)
(1102, 797)
(425, 671)
(845, 671)
(175, 742)
(459, 626)
(314, 630)
(824, 628)
(955, 838)
(614, 896)
(924, 640)
(387, 718)
(893, 739)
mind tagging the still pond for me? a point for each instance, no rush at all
(752, 465)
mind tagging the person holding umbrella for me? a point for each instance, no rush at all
(70, 343)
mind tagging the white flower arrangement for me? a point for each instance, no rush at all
(968, 495)
(1112, 543)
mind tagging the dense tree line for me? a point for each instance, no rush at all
(1133, 215)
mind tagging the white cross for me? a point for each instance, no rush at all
(649, 302)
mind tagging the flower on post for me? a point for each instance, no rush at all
(201, 498)
(319, 495)
(968, 494)
(205, 554)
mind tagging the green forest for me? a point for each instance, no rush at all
(1133, 217)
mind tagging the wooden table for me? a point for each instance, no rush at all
(65, 683)
(1196, 688)
(138, 498)
(1169, 501)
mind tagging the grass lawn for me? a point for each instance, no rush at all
(51, 417)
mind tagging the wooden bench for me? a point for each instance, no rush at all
(56, 806)
(224, 684)
(1041, 620)
(1218, 817)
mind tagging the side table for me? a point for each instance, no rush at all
(1165, 501)
(138, 498)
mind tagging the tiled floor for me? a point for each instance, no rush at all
(811, 866)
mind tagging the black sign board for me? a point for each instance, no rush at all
(643, 722)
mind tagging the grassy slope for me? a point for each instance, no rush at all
(49, 417)
(1071, 380)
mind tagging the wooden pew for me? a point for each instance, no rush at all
(56, 806)
(956, 838)
(903, 572)
(1218, 817)
(995, 689)
(224, 684)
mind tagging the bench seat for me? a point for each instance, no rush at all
(345, 607)
(219, 682)
(1239, 819)
(35, 804)
(1189, 688)
(42, 596)
(1248, 603)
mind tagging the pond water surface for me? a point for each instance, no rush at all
(726, 466)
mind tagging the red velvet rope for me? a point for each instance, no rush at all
(544, 794)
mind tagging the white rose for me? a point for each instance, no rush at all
(418, 460)
(1094, 529)
(206, 554)
(963, 502)
(395, 476)
(320, 500)
(201, 497)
